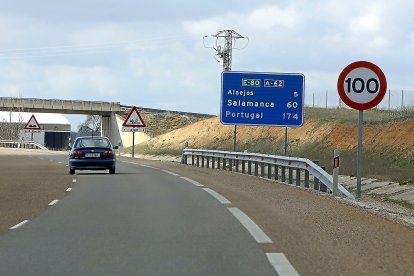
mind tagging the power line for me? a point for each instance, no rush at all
(81, 49)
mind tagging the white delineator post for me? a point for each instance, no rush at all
(335, 173)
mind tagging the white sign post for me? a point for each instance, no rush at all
(133, 123)
(361, 85)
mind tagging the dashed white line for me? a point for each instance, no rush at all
(217, 196)
(192, 181)
(74, 180)
(60, 162)
(67, 165)
(68, 189)
(172, 173)
(145, 166)
(19, 224)
(53, 202)
(281, 264)
(250, 225)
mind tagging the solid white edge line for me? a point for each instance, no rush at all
(138, 164)
(172, 173)
(192, 181)
(250, 225)
(68, 189)
(217, 196)
(281, 264)
(53, 202)
(19, 224)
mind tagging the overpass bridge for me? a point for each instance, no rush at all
(107, 111)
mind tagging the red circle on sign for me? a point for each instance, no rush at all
(376, 70)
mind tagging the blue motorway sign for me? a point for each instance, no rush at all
(262, 99)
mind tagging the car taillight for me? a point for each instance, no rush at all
(77, 154)
(108, 153)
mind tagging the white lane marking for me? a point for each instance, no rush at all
(250, 225)
(73, 180)
(172, 173)
(53, 202)
(145, 166)
(217, 196)
(19, 224)
(192, 181)
(68, 189)
(281, 264)
(60, 162)
(67, 165)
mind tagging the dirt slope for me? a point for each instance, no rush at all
(397, 136)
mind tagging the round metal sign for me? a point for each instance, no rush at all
(362, 85)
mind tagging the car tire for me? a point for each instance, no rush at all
(71, 171)
(112, 171)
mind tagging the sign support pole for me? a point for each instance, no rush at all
(359, 160)
(286, 140)
(235, 138)
(133, 144)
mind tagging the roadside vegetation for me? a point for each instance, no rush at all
(388, 152)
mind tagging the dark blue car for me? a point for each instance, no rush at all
(92, 153)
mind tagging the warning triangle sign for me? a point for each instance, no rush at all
(32, 124)
(134, 119)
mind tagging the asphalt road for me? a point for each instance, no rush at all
(140, 221)
(159, 220)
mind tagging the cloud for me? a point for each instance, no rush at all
(77, 81)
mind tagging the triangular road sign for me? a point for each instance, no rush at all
(134, 119)
(32, 124)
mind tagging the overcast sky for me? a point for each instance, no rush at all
(151, 53)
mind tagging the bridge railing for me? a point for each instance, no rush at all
(21, 144)
(302, 171)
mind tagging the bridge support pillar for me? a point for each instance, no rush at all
(109, 128)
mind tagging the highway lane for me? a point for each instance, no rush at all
(140, 221)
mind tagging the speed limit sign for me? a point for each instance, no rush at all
(362, 85)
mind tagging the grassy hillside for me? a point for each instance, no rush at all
(388, 140)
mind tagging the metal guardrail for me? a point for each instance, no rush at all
(21, 144)
(276, 167)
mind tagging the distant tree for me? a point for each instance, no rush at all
(91, 126)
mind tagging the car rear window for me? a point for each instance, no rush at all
(92, 142)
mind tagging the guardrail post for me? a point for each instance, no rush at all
(198, 161)
(256, 168)
(192, 160)
(208, 162)
(202, 161)
(316, 180)
(237, 165)
(224, 163)
(306, 179)
(230, 164)
(290, 175)
(276, 172)
(212, 162)
(323, 187)
(283, 174)
(269, 171)
(243, 166)
(249, 167)
(218, 163)
(297, 177)
(262, 169)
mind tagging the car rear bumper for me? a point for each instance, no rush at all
(88, 164)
